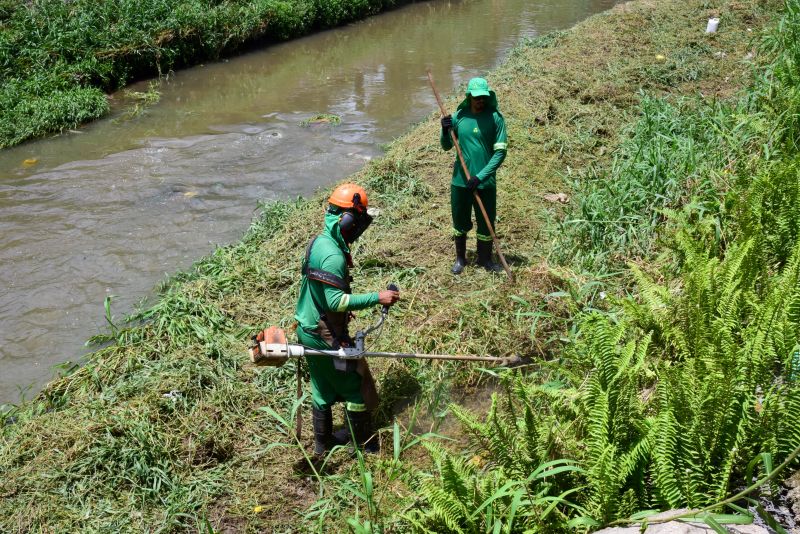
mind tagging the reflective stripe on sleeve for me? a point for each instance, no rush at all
(343, 302)
(500, 146)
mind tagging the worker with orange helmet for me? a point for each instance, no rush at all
(323, 312)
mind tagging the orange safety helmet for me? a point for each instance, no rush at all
(349, 196)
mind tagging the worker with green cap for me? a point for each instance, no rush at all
(323, 312)
(481, 133)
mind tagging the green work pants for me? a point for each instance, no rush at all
(327, 384)
(462, 204)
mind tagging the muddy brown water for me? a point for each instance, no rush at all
(114, 207)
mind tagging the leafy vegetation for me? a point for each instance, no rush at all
(667, 399)
(322, 118)
(659, 314)
(58, 59)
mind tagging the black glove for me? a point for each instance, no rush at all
(473, 183)
(447, 123)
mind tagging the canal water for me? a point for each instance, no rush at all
(114, 207)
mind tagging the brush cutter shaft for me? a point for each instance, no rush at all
(342, 353)
(276, 354)
(269, 347)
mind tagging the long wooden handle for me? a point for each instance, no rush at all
(467, 178)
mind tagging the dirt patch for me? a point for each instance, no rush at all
(793, 496)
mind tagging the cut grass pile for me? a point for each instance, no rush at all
(169, 427)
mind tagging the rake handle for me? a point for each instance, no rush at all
(467, 177)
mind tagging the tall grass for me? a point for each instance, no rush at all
(57, 59)
(679, 154)
(668, 398)
(189, 429)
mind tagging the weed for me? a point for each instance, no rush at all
(322, 118)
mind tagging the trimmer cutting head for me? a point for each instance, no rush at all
(512, 361)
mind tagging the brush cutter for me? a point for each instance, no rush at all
(270, 348)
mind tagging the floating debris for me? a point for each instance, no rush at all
(359, 156)
(322, 118)
(30, 162)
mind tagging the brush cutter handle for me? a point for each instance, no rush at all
(390, 287)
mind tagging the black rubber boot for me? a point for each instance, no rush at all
(323, 428)
(361, 425)
(461, 254)
(485, 257)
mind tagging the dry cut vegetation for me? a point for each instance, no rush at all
(168, 428)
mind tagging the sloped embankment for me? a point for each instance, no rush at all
(168, 426)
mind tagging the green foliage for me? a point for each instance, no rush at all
(768, 212)
(670, 396)
(780, 91)
(617, 433)
(680, 154)
(58, 58)
(677, 153)
(661, 401)
(463, 498)
(727, 338)
(322, 118)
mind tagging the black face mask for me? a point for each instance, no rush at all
(352, 225)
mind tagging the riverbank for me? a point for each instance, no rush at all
(169, 427)
(58, 60)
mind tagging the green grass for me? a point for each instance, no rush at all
(322, 118)
(58, 59)
(168, 426)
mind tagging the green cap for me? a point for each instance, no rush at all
(478, 87)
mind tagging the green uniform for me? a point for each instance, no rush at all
(328, 385)
(483, 142)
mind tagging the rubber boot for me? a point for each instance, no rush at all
(361, 425)
(323, 428)
(461, 254)
(485, 257)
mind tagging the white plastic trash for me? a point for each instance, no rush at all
(713, 24)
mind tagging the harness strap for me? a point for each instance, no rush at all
(326, 278)
(319, 275)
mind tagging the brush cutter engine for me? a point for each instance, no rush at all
(275, 354)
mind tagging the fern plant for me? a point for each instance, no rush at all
(728, 333)
(464, 498)
(617, 431)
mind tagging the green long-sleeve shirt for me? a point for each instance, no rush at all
(483, 142)
(328, 254)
